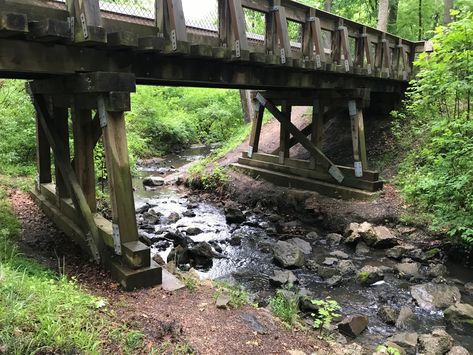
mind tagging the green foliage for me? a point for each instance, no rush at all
(327, 311)
(286, 308)
(383, 349)
(437, 176)
(17, 133)
(164, 118)
(239, 297)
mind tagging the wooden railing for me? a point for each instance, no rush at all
(327, 42)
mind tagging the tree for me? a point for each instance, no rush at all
(383, 11)
(393, 10)
(419, 37)
(447, 17)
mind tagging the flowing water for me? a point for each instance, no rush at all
(251, 264)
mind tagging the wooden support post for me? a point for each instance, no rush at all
(358, 137)
(238, 25)
(317, 128)
(256, 129)
(121, 190)
(88, 27)
(333, 170)
(284, 136)
(282, 33)
(61, 129)
(84, 143)
(43, 155)
(171, 23)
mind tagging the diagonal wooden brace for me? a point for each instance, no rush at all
(95, 243)
(323, 160)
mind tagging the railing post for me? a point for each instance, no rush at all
(86, 21)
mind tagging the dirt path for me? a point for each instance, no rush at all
(184, 317)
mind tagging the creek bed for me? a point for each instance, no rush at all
(250, 263)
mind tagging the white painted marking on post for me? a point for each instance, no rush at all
(358, 169)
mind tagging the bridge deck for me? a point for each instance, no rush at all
(37, 40)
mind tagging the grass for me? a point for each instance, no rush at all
(41, 311)
(239, 297)
(286, 308)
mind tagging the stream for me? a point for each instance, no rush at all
(245, 254)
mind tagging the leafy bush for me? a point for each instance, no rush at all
(437, 176)
(285, 307)
(18, 132)
(327, 311)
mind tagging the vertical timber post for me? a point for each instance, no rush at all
(317, 128)
(61, 126)
(43, 155)
(284, 135)
(358, 137)
(256, 129)
(84, 152)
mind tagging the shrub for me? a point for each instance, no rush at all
(285, 307)
(437, 176)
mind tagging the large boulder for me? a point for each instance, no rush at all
(346, 267)
(388, 314)
(399, 251)
(304, 246)
(469, 288)
(458, 350)
(382, 238)
(368, 275)
(437, 343)
(408, 271)
(430, 296)
(408, 341)
(288, 255)
(153, 181)
(356, 232)
(460, 315)
(282, 277)
(354, 325)
(234, 215)
(201, 255)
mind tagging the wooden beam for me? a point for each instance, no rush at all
(256, 129)
(84, 143)
(283, 34)
(61, 129)
(121, 188)
(43, 155)
(238, 26)
(95, 243)
(314, 151)
(284, 136)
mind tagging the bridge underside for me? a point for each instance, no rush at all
(84, 63)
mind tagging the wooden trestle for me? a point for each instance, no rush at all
(71, 201)
(318, 173)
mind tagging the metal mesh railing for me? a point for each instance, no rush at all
(201, 14)
(143, 10)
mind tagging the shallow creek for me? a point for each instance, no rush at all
(251, 264)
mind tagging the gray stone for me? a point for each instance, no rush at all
(288, 255)
(346, 267)
(408, 271)
(330, 261)
(388, 314)
(326, 272)
(469, 288)
(458, 350)
(339, 254)
(399, 251)
(235, 240)
(390, 345)
(158, 259)
(404, 314)
(354, 325)
(223, 300)
(460, 315)
(151, 217)
(304, 246)
(334, 281)
(153, 181)
(430, 296)
(356, 232)
(189, 214)
(437, 270)
(193, 231)
(437, 343)
(383, 238)
(173, 217)
(281, 278)
(408, 341)
(334, 238)
(234, 215)
(369, 275)
(312, 235)
(362, 248)
(201, 254)
(254, 323)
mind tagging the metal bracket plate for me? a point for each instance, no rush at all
(336, 173)
(318, 62)
(237, 49)
(358, 169)
(84, 25)
(352, 110)
(173, 40)
(116, 239)
(283, 56)
(102, 112)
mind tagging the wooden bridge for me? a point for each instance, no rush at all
(84, 58)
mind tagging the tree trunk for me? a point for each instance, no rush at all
(246, 97)
(393, 6)
(328, 5)
(420, 20)
(447, 17)
(383, 10)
